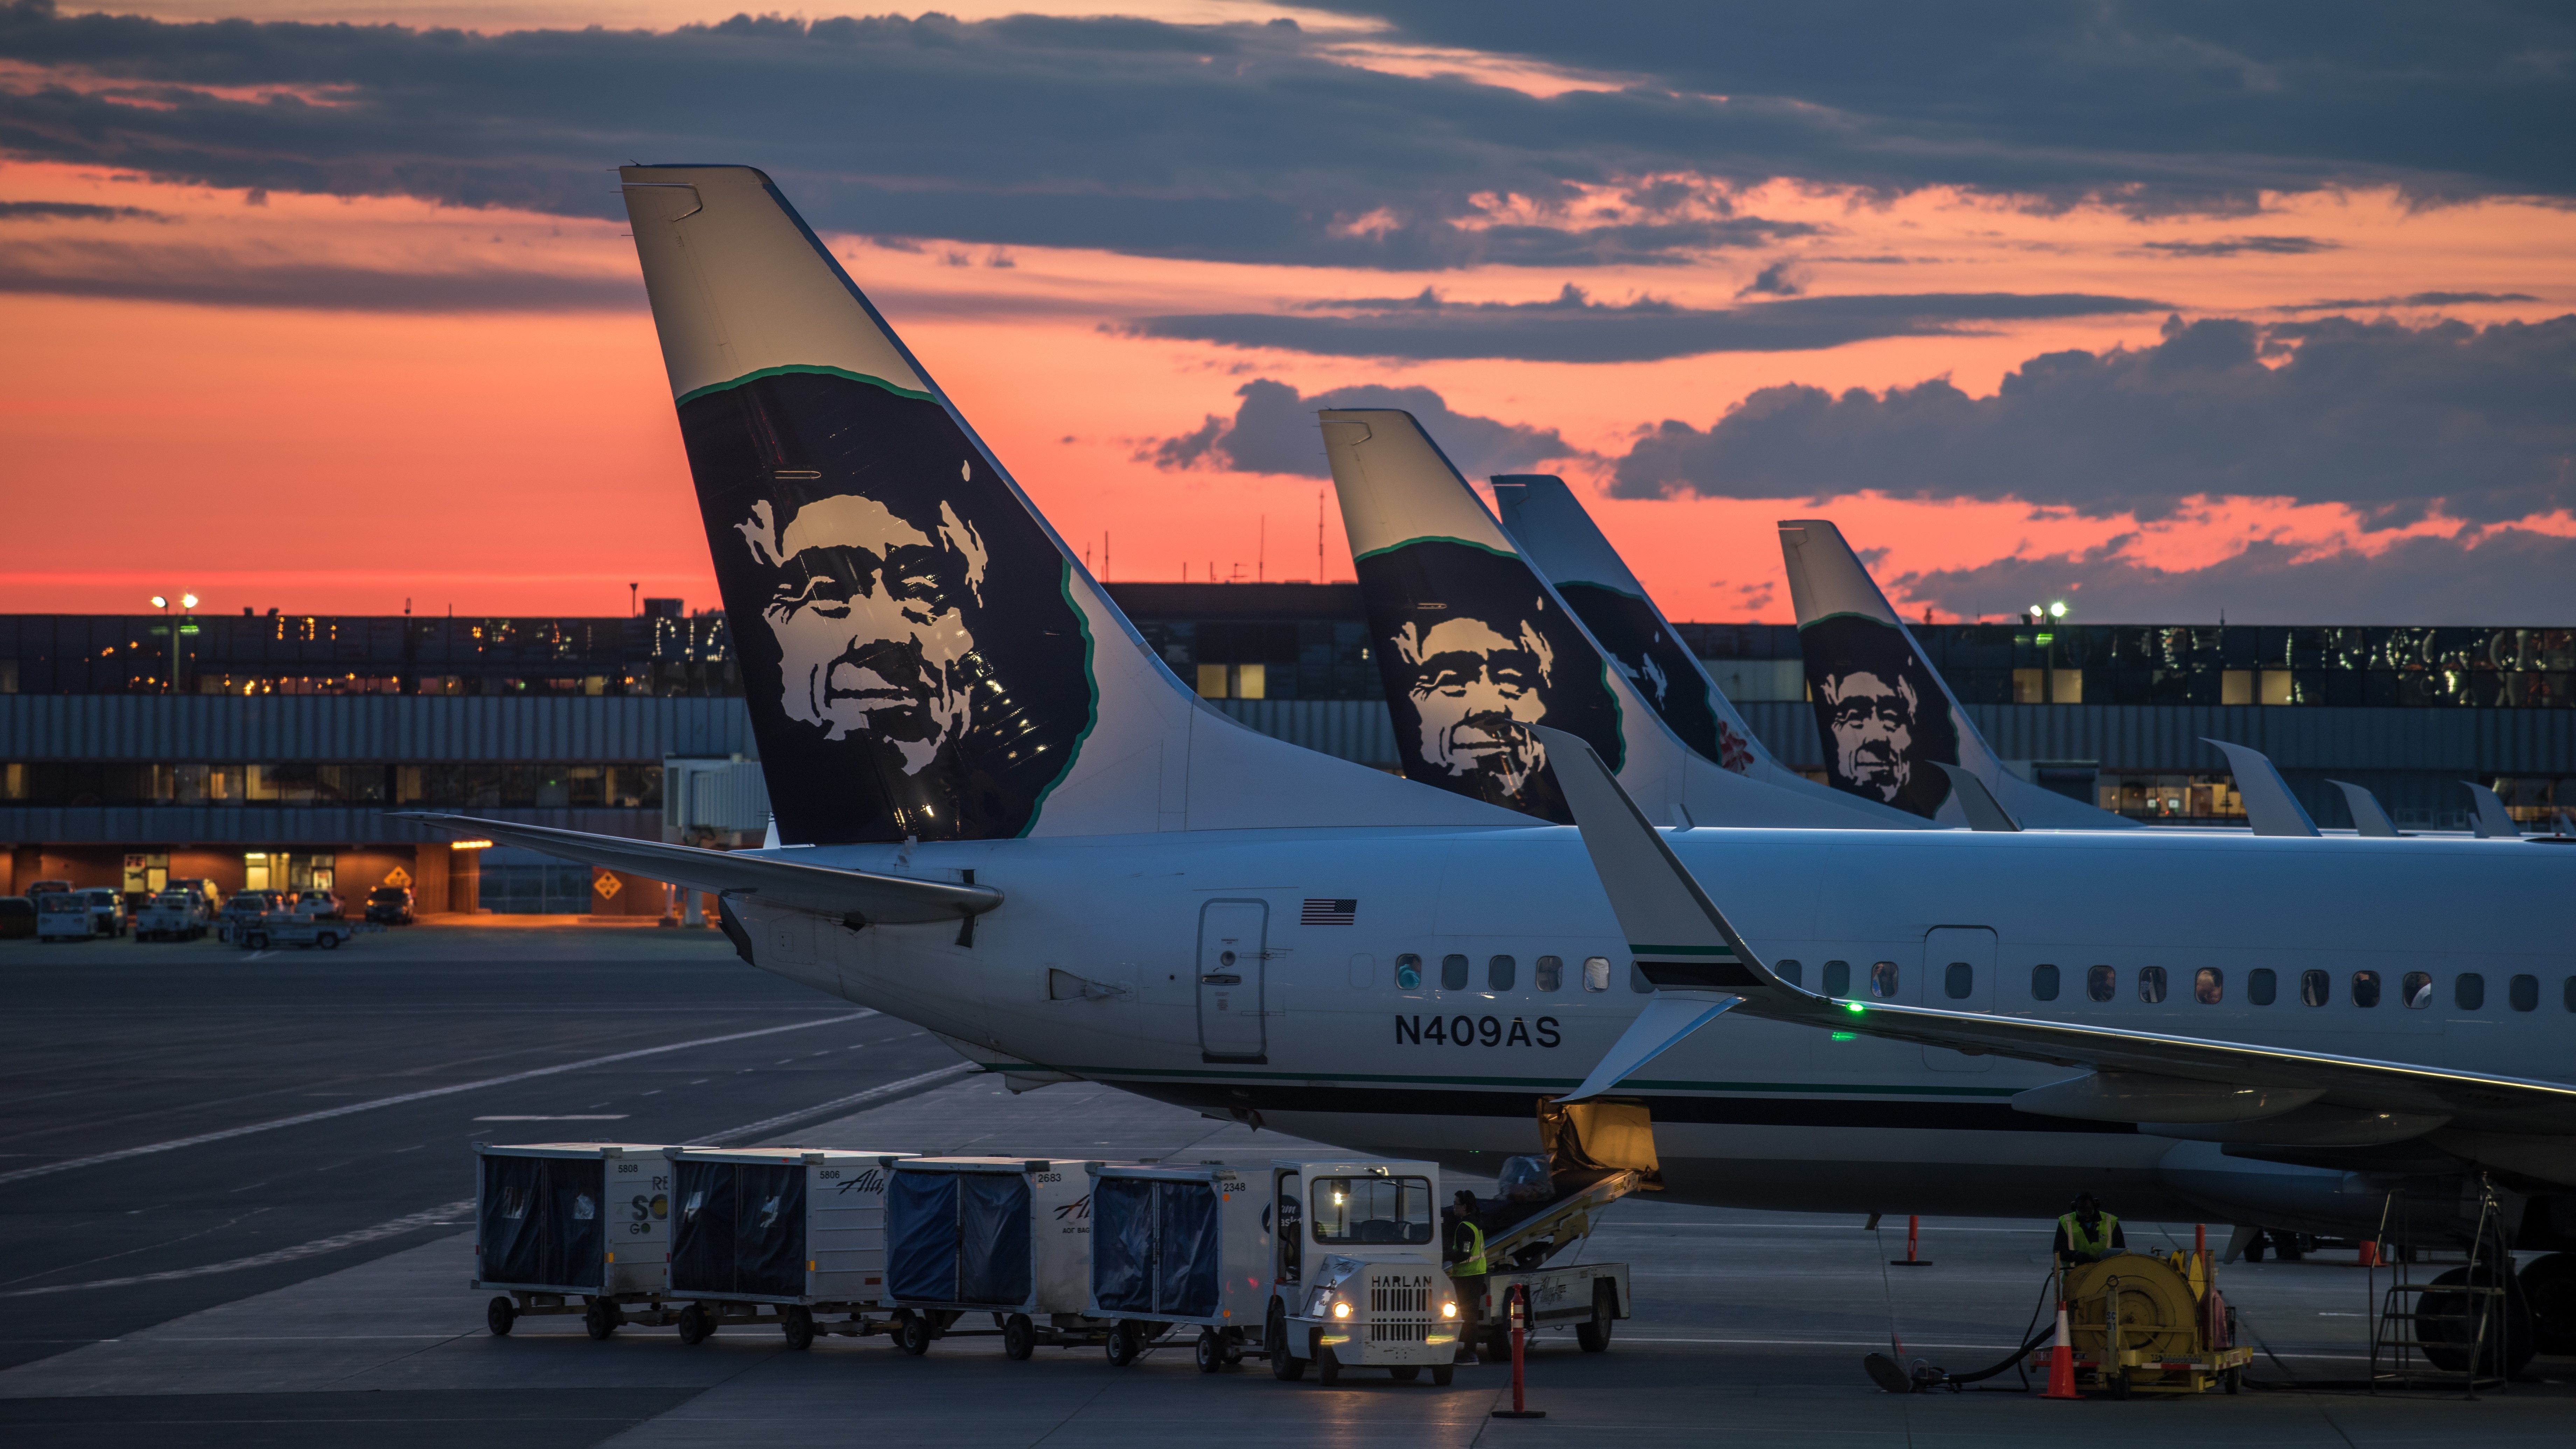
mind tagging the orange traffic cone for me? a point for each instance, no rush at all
(2061, 1361)
(2369, 1257)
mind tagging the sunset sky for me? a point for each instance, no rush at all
(2164, 310)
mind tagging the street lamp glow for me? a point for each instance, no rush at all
(159, 602)
(189, 601)
(2057, 610)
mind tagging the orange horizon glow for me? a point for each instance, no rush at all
(528, 462)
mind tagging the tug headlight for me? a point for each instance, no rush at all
(1449, 1309)
(1341, 1310)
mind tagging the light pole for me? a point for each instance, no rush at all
(161, 602)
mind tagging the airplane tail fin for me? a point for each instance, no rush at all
(920, 654)
(1472, 645)
(1886, 717)
(1561, 541)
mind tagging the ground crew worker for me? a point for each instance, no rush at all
(2086, 1234)
(1463, 1251)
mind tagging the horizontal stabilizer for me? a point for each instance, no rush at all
(827, 890)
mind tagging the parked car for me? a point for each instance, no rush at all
(247, 907)
(317, 903)
(17, 918)
(170, 916)
(390, 905)
(107, 913)
(48, 887)
(63, 916)
(209, 899)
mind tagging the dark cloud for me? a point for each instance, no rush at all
(1571, 327)
(2391, 419)
(76, 211)
(1776, 280)
(2162, 103)
(221, 279)
(2261, 246)
(2514, 577)
(2412, 299)
(1255, 143)
(1273, 430)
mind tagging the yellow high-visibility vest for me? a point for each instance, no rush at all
(1474, 1263)
(2093, 1244)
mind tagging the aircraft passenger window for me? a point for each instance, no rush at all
(2567, 993)
(1796, 975)
(1958, 980)
(2365, 988)
(1499, 973)
(2416, 990)
(2468, 991)
(2151, 984)
(2043, 983)
(1453, 973)
(2260, 986)
(1838, 979)
(1596, 973)
(2523, 993)
(2209, 986)
(1882, 980)
(2102, 983)
(1637, 981)
(1548, 974)
(2315, 988)
(1408, 972)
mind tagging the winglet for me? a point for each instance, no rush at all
(2367, 816)
(2493, 820)
(1678, 938)
(1984, 812)
(2269, 806)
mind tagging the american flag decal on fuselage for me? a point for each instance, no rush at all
(1322, 912)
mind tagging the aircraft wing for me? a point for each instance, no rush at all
(879, 898)
(1682, 942)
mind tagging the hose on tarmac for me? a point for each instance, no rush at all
(1922, 1378)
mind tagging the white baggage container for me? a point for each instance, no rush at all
(1005, 1236)
(559, 1221)
(1180, 1245)
(778, 1235)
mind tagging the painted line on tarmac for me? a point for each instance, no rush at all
(327, 1113)
(855, 1099)
(409, 1222)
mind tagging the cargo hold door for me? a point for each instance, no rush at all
(1231, 937)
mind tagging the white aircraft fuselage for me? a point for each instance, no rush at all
(1104, 963)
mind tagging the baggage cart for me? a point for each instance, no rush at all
(1175, 1246)
(1004, 1236)
(556, 1222)
(779, 1236)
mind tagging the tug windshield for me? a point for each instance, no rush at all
(1372, 1210)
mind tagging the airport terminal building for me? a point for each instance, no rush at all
(267, 750)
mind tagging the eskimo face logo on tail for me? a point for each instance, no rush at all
(1472, 652)
(1884, 717)
(1471, 687)
(1662, 671)
(908, 651)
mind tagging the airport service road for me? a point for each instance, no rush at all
(1749, 1331)
(184, 1124)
